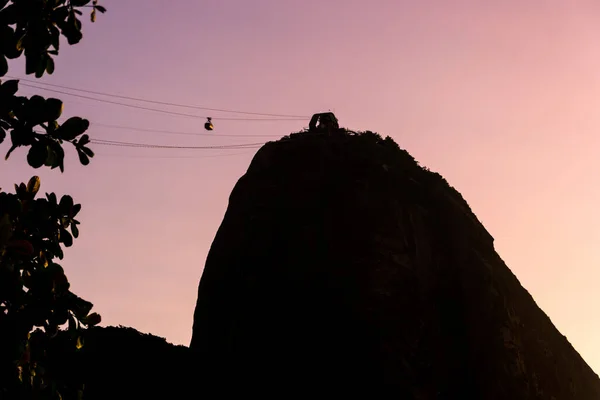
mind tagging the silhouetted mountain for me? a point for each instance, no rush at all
(342, 264)
(122, 363)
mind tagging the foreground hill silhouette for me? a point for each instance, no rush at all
(122, 363)
(343, 264)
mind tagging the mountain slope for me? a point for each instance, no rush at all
(122, 363)
(342, 263)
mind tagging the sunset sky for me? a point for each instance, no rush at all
(502, 98)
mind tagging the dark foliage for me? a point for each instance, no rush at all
(33, 28)
(35, 296)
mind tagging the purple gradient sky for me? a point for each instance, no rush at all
(501, 98)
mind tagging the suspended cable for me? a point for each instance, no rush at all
(162, 102)
(94, 124)
(172, 157)
(159, 110)
(170, 147)
(157, 146)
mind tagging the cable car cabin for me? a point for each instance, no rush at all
(208, 125)
(324, 123)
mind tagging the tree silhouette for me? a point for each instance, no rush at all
(35, 300)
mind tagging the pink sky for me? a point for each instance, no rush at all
(501, 98)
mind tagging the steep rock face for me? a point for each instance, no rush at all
(341, 262)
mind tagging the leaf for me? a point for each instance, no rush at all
(75, 230)
(10, 87)
(19, 45)
(80, 307)
(66, 204)
(79, 343)
(60, 13)
(92, 319)
(2, 134)
(75, 210)
(101, 9)
(51, 198)
(79, 3)
(93, 15)
(66, 238)
(65, 209)
(53, 109)
(33, 186)
(74, 37)
(71, 28)
(36, 157)
(58, 154)
(72, 128)
(34, 114)
(3, 65)
(51, 159)
(54, 39)
(31, 63)
(12, 148)
(10, 15)
(22, 137)
(21, 190)
(83, 158)
(41, 66)
(58, 252)
(88, 152)
(49, 65)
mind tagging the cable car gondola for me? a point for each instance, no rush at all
(208, 125)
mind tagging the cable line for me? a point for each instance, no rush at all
(173, 157)
(93, 124)
(161, 102)
(159, 110)
(157, 146)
